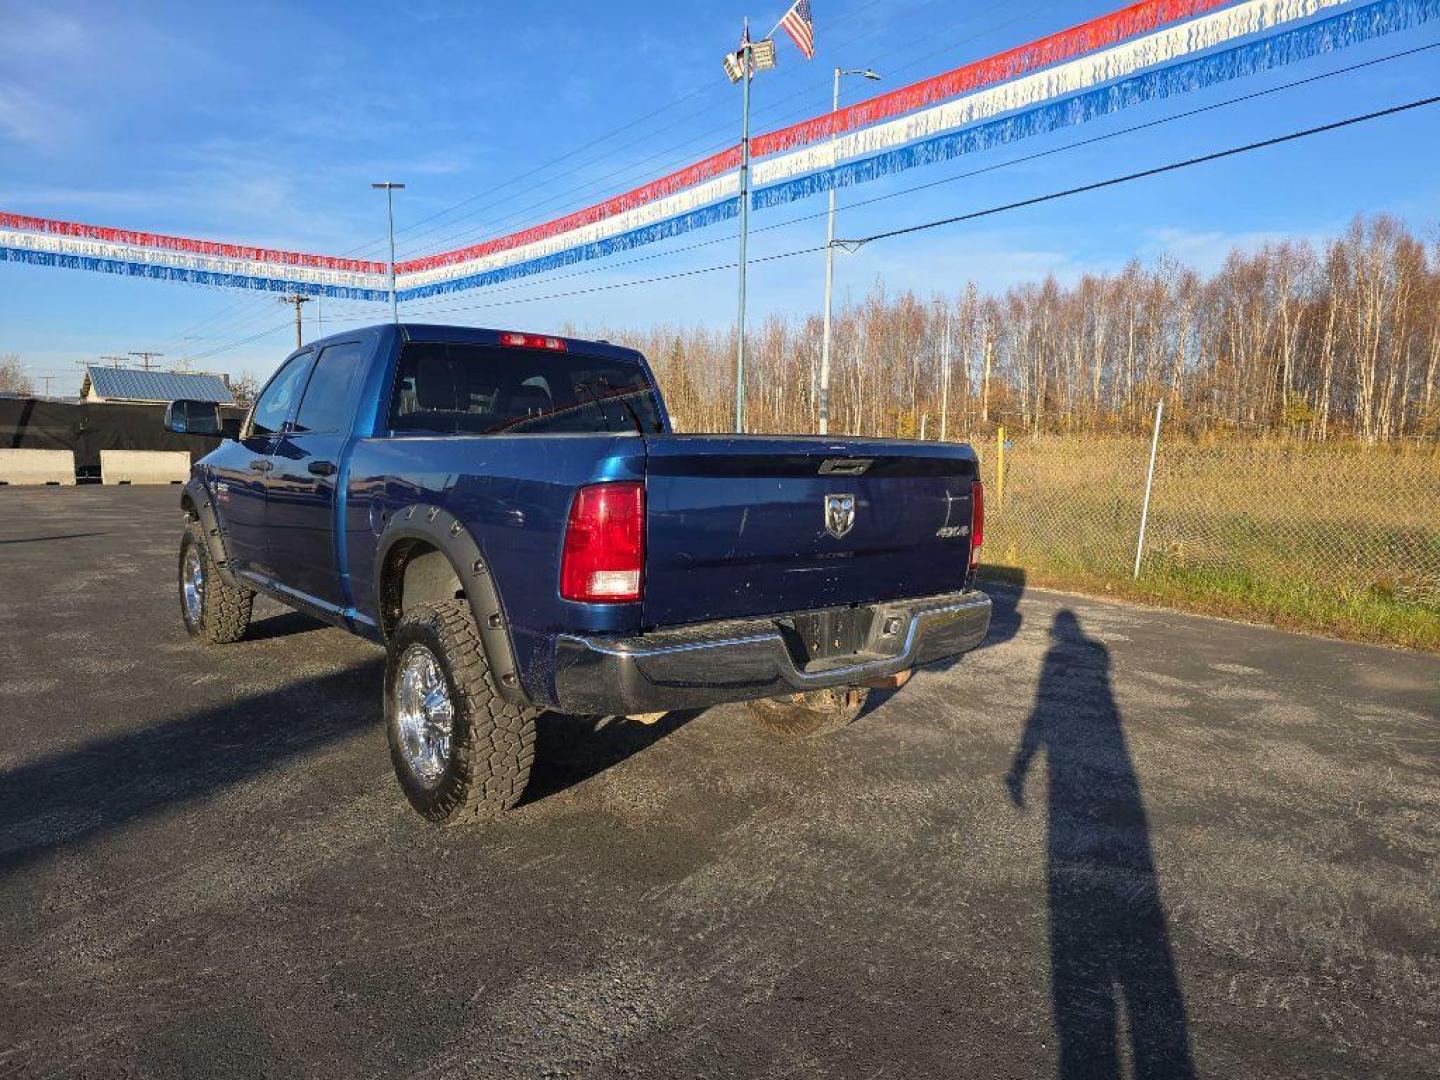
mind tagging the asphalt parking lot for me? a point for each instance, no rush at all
(1110, 839)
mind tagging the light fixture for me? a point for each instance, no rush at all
(762, 58)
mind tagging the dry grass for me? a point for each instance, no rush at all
(1341, 539)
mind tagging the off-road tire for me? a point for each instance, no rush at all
(492, 742)
(813, 713)
(225, 609)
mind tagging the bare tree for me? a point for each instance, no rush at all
(245, 388)
(1345, 342)
(13, 379)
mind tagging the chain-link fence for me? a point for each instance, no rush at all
(1345, 518)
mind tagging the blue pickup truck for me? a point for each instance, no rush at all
(513, 518)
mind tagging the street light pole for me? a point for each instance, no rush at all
(830, 256)
(390, 189)
(945, 370)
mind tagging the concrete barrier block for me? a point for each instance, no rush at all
(144, 466)
(37, 467)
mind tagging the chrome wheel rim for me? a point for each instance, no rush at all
(192, 586)
(423, 714)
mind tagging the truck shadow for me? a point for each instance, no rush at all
(1110, 948)
(571, 749)
(61, 799)
(1005, 585)
(48, 539)
(57, 801)
(285, 624)
(1005, 621)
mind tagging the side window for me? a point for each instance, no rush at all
(326, 404)
(275, 403)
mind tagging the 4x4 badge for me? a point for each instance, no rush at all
(839, 514)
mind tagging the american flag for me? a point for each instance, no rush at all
(801, 28)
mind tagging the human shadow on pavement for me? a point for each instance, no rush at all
(1109, 945)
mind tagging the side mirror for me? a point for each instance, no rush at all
(186, 417)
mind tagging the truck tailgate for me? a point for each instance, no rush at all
(755, 525)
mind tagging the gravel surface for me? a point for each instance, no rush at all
(1112, 838)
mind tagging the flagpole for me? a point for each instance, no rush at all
(745, 75)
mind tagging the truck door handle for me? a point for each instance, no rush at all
(260, 464)
(322, 468)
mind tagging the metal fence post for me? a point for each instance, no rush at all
(1149, 480)
(1000, 468)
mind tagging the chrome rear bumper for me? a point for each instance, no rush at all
(738, 660)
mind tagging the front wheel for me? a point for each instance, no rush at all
(816, 712)
(214, 612)
(460, 750)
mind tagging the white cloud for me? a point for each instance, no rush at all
(1205, 250)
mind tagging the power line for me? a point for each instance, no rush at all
(253, 315)
(709, 148)
(637, 281)
(989, 211)
(225, 319)
(243, 341)
(853, 245)
(710, 85)
(1079, 144)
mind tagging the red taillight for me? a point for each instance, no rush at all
(605, 544)
(977, 522)
(532, 341)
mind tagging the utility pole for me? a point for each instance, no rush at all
(390, 188)
(297, 299)
(47, 379)
(945, 370)
(185, 361)
(145, 357)
(830, 253)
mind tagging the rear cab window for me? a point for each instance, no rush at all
(466, 389)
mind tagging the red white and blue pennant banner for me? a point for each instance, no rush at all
(1053, 83)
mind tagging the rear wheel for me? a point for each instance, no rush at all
(459, 749)
(214, 612)
(815, 712)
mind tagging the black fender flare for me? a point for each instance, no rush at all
(443, 531)
(196, 494)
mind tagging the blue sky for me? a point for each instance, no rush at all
(266, 124)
